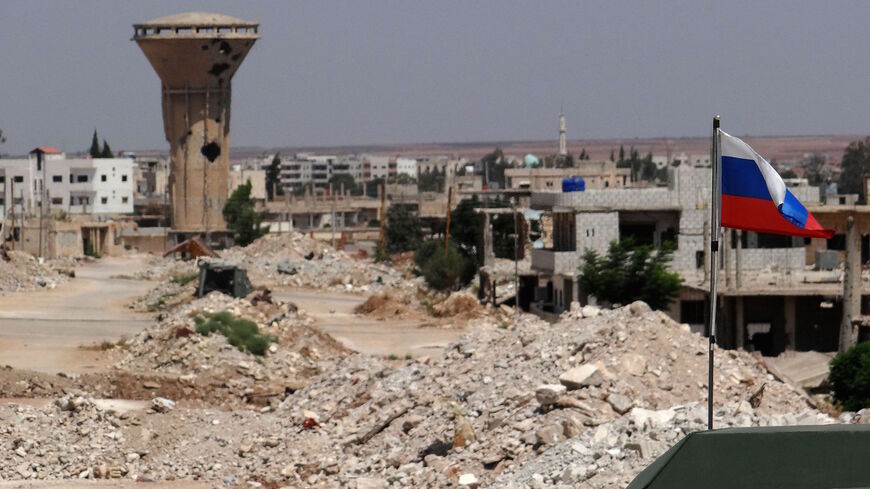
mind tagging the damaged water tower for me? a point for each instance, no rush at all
(196, 55)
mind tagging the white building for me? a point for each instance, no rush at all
(406, 166)
(75, 186)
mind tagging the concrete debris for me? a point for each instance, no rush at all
(582, 376)
(526, 405)
(296, 260)
(468, 480)
(162, 405)
(172, 347)
(549, 394)
(23, 272)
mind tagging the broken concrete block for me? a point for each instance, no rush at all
(468, 480)
(638, 308)
(633, 363)
(464, 433)
(548, 394)
(643, 418)
(371, 483)
(590, 311)
(621, 404)
(549, 435)
(162, 404)
(582, 376)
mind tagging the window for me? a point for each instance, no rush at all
(124, 200)
(57, 178)
(57, 201)
(102, 178)
(81, 178)
(2, 179)
(18, 178)
(123, 178)
(104, 200)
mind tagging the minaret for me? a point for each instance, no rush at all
(563, 142)
(196, 55)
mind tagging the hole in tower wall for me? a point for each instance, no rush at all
(236, 57)
(204, 47)
(218, 68)
(225, 48)
(211, 151)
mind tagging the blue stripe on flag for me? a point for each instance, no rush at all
(742, 178)
(793, 210)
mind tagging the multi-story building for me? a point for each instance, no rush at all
(406, 166)
(72, 185)
(776, 295)
(596, 174)
(306, 168)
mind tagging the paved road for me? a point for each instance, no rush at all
(44, 330)
(334, 315)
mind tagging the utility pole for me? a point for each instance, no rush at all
(447, 232)
(40, 162)
(851, 278)
(333, 220)
(12, 199)
(516, 261)
(383, 219)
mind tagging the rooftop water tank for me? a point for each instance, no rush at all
(573, 184)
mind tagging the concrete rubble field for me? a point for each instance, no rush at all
(22, 272)
(589, 399)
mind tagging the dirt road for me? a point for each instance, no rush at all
(334, 314)
(45, 329)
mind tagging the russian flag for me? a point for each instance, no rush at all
(755, 198)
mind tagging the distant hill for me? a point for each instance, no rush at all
(779, 148)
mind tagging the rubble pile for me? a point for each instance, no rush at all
(163, 268)
(460, 305)
(610, 455)
(23, 272)
(502, 396)
(386, 306)
(165, 295)
(296, 260)
(589, 400)
(173, 347)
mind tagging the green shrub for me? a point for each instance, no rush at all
(850, 377)
(631, 272)
(447, 271)
(241, 333)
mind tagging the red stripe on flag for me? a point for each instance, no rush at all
(761, 216)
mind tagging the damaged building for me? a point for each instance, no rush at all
(196, 55)
(779, 293)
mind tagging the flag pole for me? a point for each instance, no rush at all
(716, 197)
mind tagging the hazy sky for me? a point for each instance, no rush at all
(366, 72)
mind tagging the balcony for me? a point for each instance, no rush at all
(549, 261)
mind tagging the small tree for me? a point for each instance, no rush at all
(450, 270)
(95, 146)
(404, 232)
(850, 377)
(855, 163)
(242, 219)
(631, 272)
(343, 178)
(814, 169)
(106, 152)
(466, 227)
(273, 177)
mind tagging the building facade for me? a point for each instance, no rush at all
(71, 185)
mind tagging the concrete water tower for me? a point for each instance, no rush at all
(196, 55)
